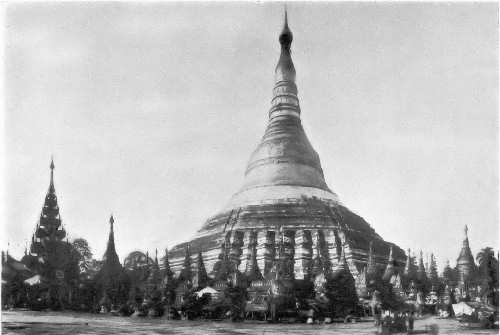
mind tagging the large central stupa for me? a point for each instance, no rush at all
(284, 197)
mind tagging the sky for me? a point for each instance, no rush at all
(151, 111)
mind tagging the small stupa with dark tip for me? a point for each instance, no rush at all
(285, 218)
(111, 277)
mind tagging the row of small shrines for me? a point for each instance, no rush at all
(52, 272)
(143, 282)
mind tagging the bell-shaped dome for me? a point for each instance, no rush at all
(284, 163)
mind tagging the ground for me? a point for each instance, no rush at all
(28, 322)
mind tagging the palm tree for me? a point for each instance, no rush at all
(488, 274)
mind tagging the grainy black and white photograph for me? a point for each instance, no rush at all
(255, 168)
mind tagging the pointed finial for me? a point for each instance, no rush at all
(51, 186)
(286, 17)
(286, 36)
(111, 222)
(466, 229)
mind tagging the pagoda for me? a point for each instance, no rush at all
(465, 262)
(285, 219)
(111, 278)
(49, 228)
(50, 255)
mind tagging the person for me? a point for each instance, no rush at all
(411, 320)
(385, 325)
(377, 315)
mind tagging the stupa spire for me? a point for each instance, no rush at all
(389, 270)
(186, 273)
(465, 260)
(166, 267)
(111, 223)
(408, 264)
(284, 160)
(421, 274)
(52, 166)
(371, 268)
(285, 90)
(110, 256)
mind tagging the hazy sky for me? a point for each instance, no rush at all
(151, 111)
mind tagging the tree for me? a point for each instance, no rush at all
(341, 292)
(84, 254)
(450, 275)
(168, 281)
(186, 274)
(488, 274)
(433, 273)
(235, 297)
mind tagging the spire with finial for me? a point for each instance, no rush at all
(200, 278)
(52, 166)
(111, 269)
(421, 275)
(343, 260)
(342, 267)
(111, 222)
(389, 270)
(110, 256)
(465, 261)
(371, 268)
(186, 274)
(167, 272)
(432, 273)
(285, 90)
(284, 157)
(408, 265)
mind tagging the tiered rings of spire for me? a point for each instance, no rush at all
(284, 164)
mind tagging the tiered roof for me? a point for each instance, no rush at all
(49, 226)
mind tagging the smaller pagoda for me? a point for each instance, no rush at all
(111, 279)
(466, 266)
